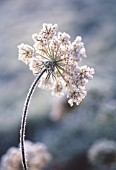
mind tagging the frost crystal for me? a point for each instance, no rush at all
(60, 57)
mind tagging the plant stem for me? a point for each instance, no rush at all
(24, 117)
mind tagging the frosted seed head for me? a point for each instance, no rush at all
(60, 57)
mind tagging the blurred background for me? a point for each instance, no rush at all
(68, 133)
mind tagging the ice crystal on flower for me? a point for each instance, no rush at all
(60, 57)
(26, 52)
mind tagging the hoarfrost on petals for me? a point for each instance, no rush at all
(60, 57)
(26, 52)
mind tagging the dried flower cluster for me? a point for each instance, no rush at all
(37, 155)
(102, 154)
(55, 52)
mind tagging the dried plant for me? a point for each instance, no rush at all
(102, 154)
(54, 59)
(37, 156)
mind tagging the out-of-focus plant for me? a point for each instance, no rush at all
(102, 154)
(37, 156)
(54, 59)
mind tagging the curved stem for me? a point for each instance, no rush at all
(24, 117)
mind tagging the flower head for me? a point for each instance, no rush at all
(102, 154)
(26, 52)
(37, 155)
(60, 57)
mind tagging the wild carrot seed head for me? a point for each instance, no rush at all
(55, 52)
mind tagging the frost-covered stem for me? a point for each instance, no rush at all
(24, 117)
